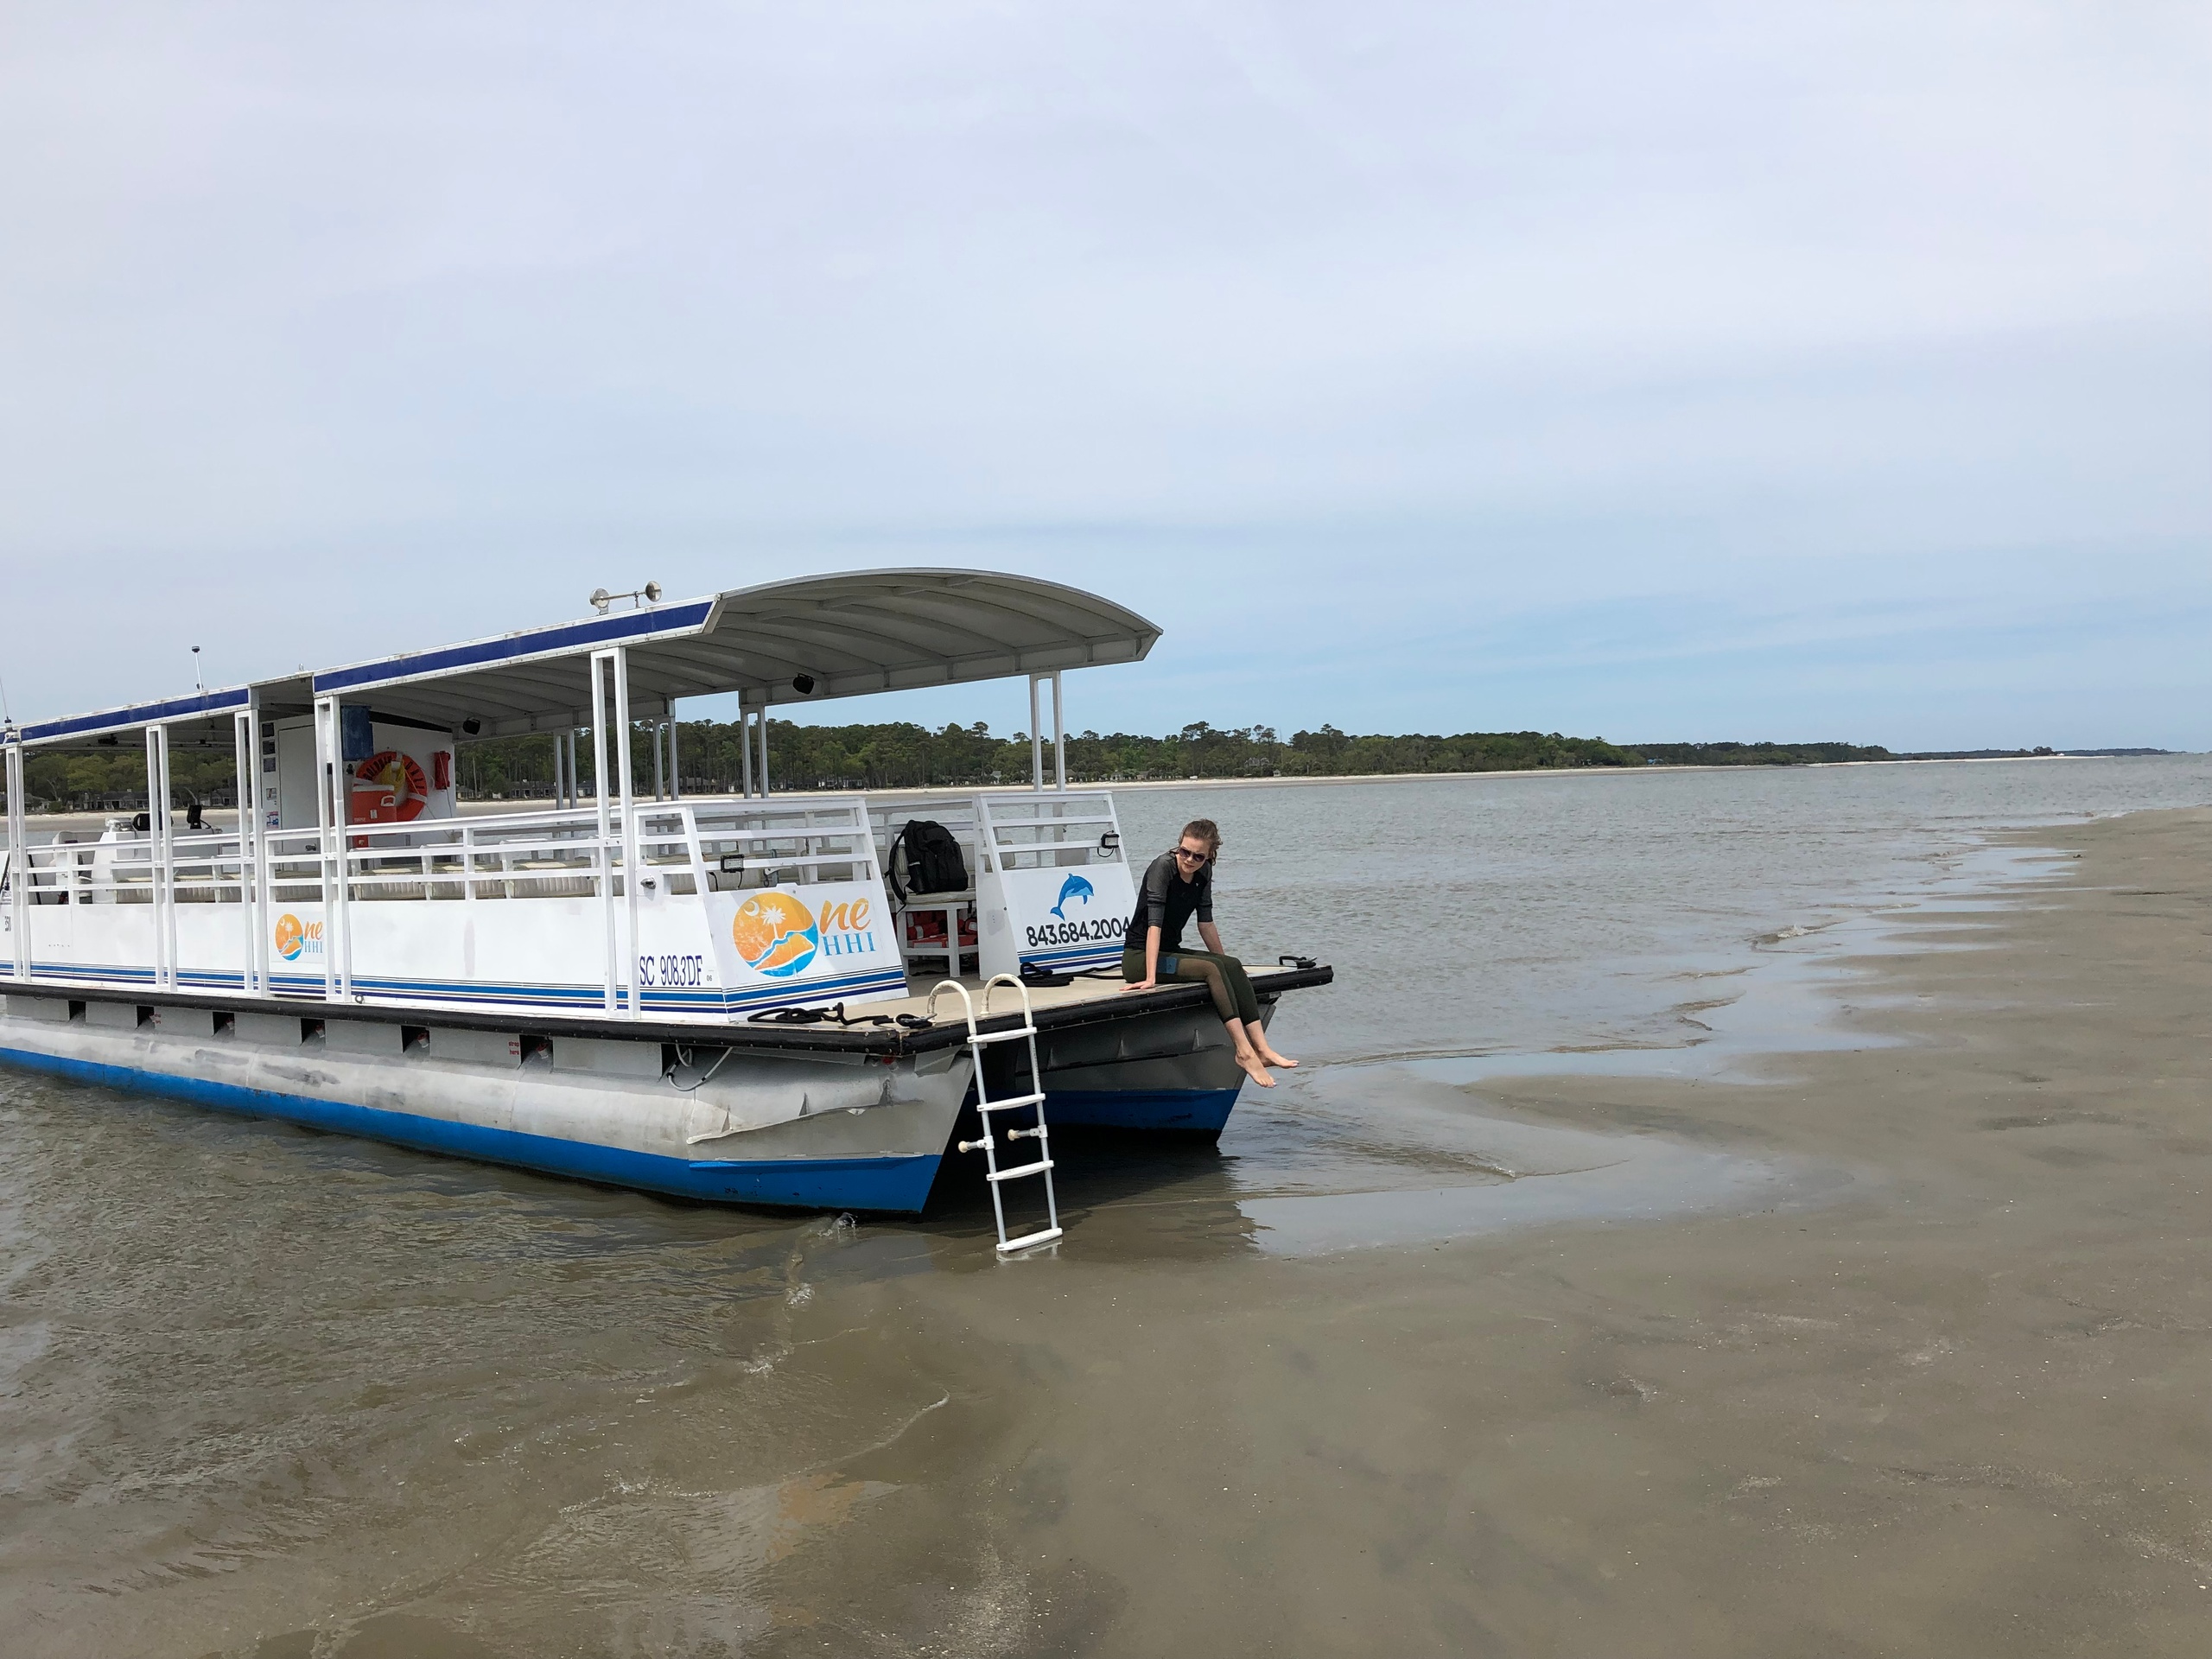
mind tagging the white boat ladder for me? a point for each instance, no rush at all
(985, 1106)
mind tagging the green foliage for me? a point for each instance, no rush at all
(902, 755)
(1758, 754)
(908, 756)
(115, 779)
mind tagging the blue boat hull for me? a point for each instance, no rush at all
(897, 1184)
(1190, 1111)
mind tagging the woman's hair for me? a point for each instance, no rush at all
(1203, 829)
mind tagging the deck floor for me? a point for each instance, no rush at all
(1104, 988)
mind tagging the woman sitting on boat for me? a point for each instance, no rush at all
(1178, 888)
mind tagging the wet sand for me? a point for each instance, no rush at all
(1963, 1407)
(1933, 1377)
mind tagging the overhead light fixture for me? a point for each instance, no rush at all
(471, 726)
(804, 685)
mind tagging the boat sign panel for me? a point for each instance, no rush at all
(793, 935)
(1059, 917)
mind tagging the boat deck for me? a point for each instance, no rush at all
(1083, 1000)
(871, 1027)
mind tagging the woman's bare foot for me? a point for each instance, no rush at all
(1257, 1068)
(1271, 1057)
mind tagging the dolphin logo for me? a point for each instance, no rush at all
(1074, 888)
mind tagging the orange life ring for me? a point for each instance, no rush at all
(387, 788)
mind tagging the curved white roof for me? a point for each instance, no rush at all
(851, 633)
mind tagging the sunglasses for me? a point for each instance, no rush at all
(1194, 858)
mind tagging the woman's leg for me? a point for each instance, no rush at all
(1243, 1005)
(1201, 967)
(1235, 1001)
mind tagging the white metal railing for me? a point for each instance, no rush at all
(998, 831)
(700, 847)
(204, 867)
(704, 847)
(687, 848)
(1010, 829)
(1057, 831)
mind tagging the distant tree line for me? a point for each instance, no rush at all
(1758, 754)
(116, 778)
(902, 755)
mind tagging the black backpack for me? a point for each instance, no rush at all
(928, 859)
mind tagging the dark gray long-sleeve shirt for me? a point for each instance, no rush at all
(1166, 901)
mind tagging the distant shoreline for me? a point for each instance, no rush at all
(1550, 771)
(522, 802)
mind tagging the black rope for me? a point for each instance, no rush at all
(835, 1015)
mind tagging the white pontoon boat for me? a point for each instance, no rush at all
(717, 998)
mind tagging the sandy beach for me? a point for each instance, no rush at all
(1959, 1408)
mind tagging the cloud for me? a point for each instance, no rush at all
(1284, 324)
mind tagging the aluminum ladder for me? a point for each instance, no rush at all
(977, 1041)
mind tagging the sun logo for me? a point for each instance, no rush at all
(775, 934)
(291, 939)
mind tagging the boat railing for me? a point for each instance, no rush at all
(1000, 831)
(702, 847)
(695, 847)
(1055, 831)
(195, 865)
(1010, 829)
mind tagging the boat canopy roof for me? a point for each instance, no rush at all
(836, 636)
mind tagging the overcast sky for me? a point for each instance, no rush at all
(1683, 372)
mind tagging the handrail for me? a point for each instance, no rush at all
(310, 876)
(457, 858)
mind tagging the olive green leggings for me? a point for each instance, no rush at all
(1233, 996)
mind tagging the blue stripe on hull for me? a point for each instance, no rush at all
(1200, 1109)
(900, 1184)
(486, 994)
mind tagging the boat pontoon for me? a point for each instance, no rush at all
(718, 997)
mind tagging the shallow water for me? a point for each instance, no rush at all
(264, 1391)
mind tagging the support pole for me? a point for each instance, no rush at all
(604, 854)
(1036, 739)
(1059, 737)
(156, 801)
(763, 751)
(675, 770)
(632, 862)
(660, 777)
(330, 844)
(745, 751)
(159, 854)
(19, 864)
(246, 731)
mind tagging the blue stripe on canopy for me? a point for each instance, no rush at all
(565, 638)
(145, 714)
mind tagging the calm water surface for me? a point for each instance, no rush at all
(267, 1392)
